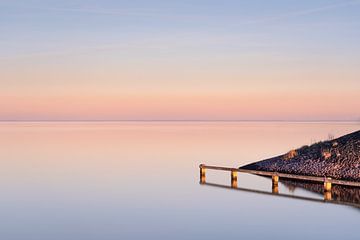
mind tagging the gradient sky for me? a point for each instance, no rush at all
(247, 60)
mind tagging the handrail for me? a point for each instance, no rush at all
(326, 180)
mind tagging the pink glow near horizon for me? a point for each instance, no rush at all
(283, 106)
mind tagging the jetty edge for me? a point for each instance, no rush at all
(334, 158)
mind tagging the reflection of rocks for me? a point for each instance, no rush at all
(337, 158)
(290, 188)
(338, 193)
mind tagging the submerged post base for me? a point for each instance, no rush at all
(234, 183)
(327, 196)
(202, 175)
(275, 184)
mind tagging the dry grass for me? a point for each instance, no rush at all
(326, 153)
(290, 155)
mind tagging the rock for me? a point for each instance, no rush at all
(338, 158)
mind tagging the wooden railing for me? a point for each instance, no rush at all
(275, 178)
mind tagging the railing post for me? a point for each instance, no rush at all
(327, 189)
(327, 184)
(234, 179)
(275, 184)
(202, 174)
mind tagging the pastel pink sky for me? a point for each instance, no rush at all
(235, 61)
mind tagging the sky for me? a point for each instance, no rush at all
(180, 60)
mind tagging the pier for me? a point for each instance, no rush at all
(275, 176)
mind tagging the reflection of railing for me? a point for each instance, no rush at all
(284, 195)
(275, 178)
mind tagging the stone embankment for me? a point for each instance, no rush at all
(338, 158)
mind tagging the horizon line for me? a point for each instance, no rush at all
(176, 120)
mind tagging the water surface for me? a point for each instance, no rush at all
(129, 180)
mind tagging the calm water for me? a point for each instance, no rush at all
(141, 181)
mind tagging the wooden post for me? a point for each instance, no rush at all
(327, 196)
(275, 184)
(275, 180)
(327, 184)
(202, 175)
(233, 179)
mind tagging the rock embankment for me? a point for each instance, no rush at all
(338, 158)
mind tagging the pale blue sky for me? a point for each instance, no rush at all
(45, 26)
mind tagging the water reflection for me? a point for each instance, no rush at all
(342, 195)
(86, 181)
(339, 194)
